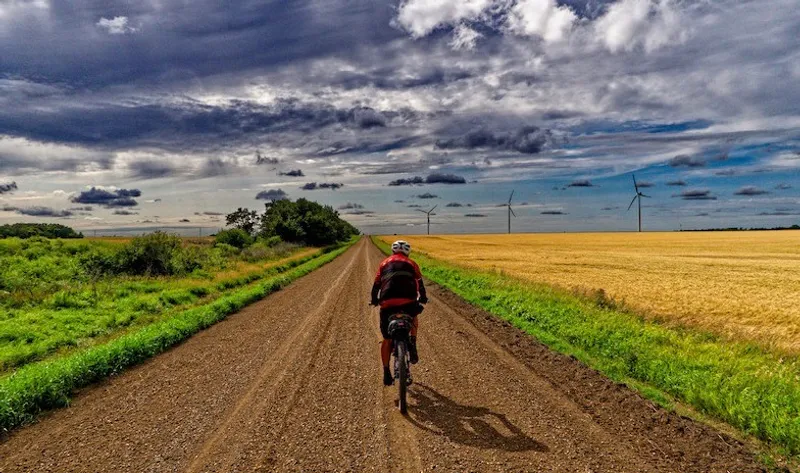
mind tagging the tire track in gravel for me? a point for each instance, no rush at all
(293, 383)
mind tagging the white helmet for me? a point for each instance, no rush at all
(401, 246)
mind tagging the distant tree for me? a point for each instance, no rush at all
(243, 219)
(304, 221)
(46, 230)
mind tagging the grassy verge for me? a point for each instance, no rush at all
(740, 384)
(48, 384)
(82, 316)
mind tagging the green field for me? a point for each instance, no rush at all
(53, 299)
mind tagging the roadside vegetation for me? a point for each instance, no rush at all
(741, 383)
(57, 295)
(73, 311)
(48, 384)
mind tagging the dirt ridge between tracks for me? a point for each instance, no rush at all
(292, 383)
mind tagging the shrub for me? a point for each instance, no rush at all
(235, 237)
(155, 254)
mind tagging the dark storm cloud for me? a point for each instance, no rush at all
(454, 204)
(87, 208)
(783, 186)
(214, 167)
(40, 211)
(677, 183)
(386, 78)
(176, 43)
(209, 214)
(186, 125)
(696, 194)
(293, 173)
(416, 180)
(527, 140)
(366, 117)
(8, 187)
(435, 178)
(684, 160)
(350, 206)
(310, 186)
(553, 212)
(475, 215)
(726, 172)
(427, 195)
(151, 169)
(261, 159)
(125, 212)
(750, 191)
(272, 194)
(109, 199)
(778, 213)
(360, 212)
(581, 183)
(645, 184)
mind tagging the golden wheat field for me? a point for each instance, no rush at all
(744, 285)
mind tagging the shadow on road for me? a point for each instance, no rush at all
(467, 425)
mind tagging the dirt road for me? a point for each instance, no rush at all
(293, 383)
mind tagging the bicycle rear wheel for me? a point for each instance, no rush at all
(402, 371)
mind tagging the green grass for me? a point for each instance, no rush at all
(50, 304)
(47, 384)
(743, 385)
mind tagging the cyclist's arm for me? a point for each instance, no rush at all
(423, 295)
(376, 287)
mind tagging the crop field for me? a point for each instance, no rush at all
(53, 298)
(743, 285)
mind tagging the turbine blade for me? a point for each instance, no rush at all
(512, 212)
(635, 185)
(511, 196)
(634, 200)
(431, 210)
(420, 210)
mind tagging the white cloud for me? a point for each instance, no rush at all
(420, 17)
(116, 25)
(629, 24)
(543, 18)
(464, 37)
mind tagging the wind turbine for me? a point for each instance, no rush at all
(510, 211)
(639, 196)
(429, 213)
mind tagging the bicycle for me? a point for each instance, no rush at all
(399, 330)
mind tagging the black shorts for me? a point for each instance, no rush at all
(413, 310)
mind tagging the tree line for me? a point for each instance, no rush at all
(301, 221)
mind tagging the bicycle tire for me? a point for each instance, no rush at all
(402, 359)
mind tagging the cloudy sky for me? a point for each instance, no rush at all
(169, 113)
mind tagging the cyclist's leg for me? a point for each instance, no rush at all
(412, 339)
(386, 348)
(386, 345)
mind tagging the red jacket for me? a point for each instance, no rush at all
(398, 282)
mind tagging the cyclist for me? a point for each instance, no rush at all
(398, 287)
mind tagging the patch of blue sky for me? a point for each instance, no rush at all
(644, 126)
